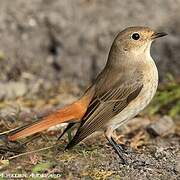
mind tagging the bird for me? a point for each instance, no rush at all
(122, 89)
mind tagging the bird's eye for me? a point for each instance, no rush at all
(135, 36)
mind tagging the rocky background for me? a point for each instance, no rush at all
(52, 40)
(51, 50)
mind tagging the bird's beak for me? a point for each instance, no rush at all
(157, 35)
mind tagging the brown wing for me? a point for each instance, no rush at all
(104, 107)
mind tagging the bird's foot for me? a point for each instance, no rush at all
(121, 156)
(119, 150)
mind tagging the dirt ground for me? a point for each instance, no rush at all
(148, 156)
(39, 39)
(158, 159)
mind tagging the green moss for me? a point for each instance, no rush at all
(41, 167)
(166, 100)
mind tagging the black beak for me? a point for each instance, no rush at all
(157, 35)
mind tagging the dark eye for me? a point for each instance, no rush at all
(135, 36)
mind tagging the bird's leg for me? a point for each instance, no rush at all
(69, 126)
(118, 149)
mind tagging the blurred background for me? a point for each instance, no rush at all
(60, 46)
(51, 50)
(53, 40)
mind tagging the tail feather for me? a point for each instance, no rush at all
(38, 126)
(68, 114)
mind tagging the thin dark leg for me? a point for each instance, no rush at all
(118, 146)
(69, 126)
(118, 149)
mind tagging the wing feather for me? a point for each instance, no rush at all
(104, 107)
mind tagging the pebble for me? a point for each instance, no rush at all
(12, 90)
(162, 127)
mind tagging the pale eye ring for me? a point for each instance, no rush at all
(135, 36)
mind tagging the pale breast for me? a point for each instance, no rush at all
(142, 100)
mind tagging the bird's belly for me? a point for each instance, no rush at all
(136, 106)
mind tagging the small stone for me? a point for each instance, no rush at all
(16, 89)
(159, 154)
(162, 127)
(12, 90)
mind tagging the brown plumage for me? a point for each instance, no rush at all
(124, 88)
(107, 102)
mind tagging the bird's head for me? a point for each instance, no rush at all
(136, 40)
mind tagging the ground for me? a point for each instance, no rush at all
(148, 156)
(155, 160)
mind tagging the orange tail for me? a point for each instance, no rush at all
(71, 112)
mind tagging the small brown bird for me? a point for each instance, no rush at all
(124, 88)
